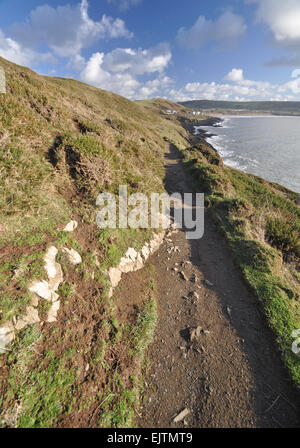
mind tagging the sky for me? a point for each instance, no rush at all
(239, 50)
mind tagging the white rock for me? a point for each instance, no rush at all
(42, 289)
(54, 296)
(126, 265)
(156, 242)
(72, 255)
(71, 226)
(139, 263)
(181, 415)
(31, 317)
(52, 315)
(35, 300)
(53, 269)
(49, 259)
(145, 252)
(131, 253)
(114, 276)
(7, 335)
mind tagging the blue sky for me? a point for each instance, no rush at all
(193, 49)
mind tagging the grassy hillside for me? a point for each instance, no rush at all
(240, 107)
(62, 143)
(161, 105)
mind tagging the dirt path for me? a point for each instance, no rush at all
(231, 375)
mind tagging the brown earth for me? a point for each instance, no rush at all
(231, 375)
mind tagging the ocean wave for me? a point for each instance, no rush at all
(228, 156)
(216, 142)
(234, 164)
(249, 160)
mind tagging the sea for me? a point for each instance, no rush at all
(267, 146)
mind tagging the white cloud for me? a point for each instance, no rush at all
(293, 86)
(66, 29)
(243, 90)
(281, 16)
(118, 71)
(94, 74)
(125, 4)
(138, 61)
(224, 30)
(15, 52)
(235, 75)
(296, 73)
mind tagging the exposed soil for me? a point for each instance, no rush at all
(231, 375)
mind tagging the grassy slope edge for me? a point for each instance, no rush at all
(261, 223)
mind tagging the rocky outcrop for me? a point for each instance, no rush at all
(31, 317)
(72, 256)
(41, 289)
(7, 335)
(46, 289)
(52, 314)
(71, 226)
(133, 260)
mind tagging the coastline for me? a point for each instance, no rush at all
(245, 163)
(211, 121)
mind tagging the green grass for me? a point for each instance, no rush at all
(121, 401)
(43, 389)
(66, 290)
(15, 275)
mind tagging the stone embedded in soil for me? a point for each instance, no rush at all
(183, 276)
(193, 278)
(53, 269)
(131, 253)
(31, 317)
(114, 276)
(156, 242)
(138, 263)
(126, 265)
(35, 300)
(7, 335)
(43, 290)
(133, 261)
(145, 252)
(193, 295)
(72, 256)
(71, 226)
(194, 333)
(184, 413)
(52, 314)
